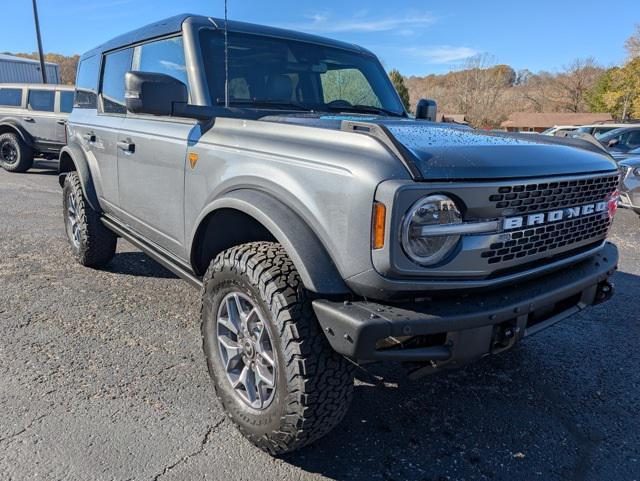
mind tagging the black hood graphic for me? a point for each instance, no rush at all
(435, 151)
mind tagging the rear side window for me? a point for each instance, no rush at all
(87, 83)
(66, 101)
(41, 100)
(163, 56)
(116, 65)
(10, 97)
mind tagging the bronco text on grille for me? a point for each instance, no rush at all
(573, 225)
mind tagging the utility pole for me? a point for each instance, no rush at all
(40, 54)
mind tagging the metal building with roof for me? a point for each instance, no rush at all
(25, 70)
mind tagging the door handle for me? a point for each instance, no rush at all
(28, 119)
(91, 137)
(61, 122)
(128, 147)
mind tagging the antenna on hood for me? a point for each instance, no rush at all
(226, 58)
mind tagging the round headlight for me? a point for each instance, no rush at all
(421, 226)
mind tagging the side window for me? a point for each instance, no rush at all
(87, 83)
(66, 101)
(10, 97)
(348, 85)
(41, 100)
(163, 56)
(633, 139)
(116, 65)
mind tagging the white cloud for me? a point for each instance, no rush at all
(322, 22)
(172, 65)
(442, 54)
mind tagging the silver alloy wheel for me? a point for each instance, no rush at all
(73, 225)
(246, 350)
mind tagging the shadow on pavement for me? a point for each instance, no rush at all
(554, 407)
(138, 264)
(44, 167)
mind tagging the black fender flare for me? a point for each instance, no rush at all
(315, 266)
(72, 158)
(18, 129)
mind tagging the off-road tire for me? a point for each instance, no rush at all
(314, 384)
(23, 153)
(97, 244)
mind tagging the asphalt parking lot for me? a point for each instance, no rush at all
(102, 377)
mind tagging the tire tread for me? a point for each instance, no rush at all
(99, 242)
(320, 381)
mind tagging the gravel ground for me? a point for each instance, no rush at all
(102, 377)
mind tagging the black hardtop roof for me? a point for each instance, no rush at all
(174, 24)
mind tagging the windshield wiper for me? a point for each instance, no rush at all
(278, 104)
(370, 109)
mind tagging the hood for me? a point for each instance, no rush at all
(434, 151)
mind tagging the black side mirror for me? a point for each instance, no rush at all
(153, 93)
(426, 110)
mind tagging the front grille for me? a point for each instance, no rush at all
(535, 240)
(526, 198)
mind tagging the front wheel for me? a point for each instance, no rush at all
(273, 369)
(15, 154)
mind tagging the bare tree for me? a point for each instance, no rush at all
(572, 85)
(478, 87)
(633, 44)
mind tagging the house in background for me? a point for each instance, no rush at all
(452, 118)
(24, 70)
(538, 122)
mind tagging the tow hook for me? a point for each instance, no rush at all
(604, 292)
(504, 336)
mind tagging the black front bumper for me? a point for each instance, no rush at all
(456, 329)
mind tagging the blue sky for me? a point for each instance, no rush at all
(417, 37)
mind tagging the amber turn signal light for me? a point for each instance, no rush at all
(378, 225)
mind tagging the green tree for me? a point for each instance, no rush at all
(623, 94)
(595, 96)
(398, 82)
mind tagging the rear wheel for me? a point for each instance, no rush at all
(273, 369)
(92, 244)
(15, 154)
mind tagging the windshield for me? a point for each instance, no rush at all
(599, 132)
(612, 134)
(276, 73)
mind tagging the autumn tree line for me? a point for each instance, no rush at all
(487, 93)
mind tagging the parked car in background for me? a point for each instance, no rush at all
(598, 130)
(630, 184)
(32, 122)
(556, 129)
(622, 140)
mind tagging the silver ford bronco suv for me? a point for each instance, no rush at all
(280, 174)
(32, 122)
